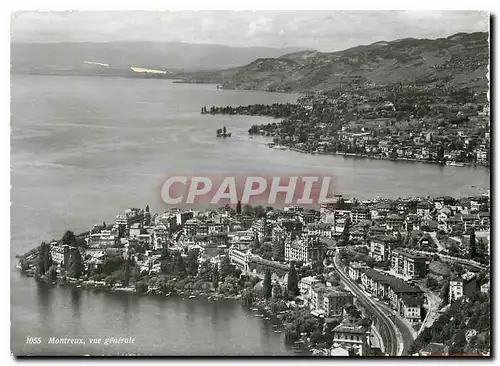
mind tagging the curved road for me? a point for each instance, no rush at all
(387, 329)
(406, 334)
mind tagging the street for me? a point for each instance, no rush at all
(387, 329)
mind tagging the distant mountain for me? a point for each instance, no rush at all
(70, 57)
(461, 59)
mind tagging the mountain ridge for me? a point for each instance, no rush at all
(50, 56)
(460, 59)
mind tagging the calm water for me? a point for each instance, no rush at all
(86, 148)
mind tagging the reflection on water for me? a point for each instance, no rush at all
(160, 325)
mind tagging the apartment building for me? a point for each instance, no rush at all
(352, 336)
(304, 250)
(465, 285)
(407, 263)
(381, 247)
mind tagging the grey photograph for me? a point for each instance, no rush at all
(250, 183)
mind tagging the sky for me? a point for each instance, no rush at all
(320, 30)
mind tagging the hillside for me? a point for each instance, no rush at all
(69, 57)
(456, 60)
(464, 328)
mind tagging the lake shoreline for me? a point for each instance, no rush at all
(365, 156)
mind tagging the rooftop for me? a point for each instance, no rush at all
(408, 300)
(408, 253)
(349, 328)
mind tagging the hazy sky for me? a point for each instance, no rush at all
(321, 30)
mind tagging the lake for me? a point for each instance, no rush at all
(87, 148)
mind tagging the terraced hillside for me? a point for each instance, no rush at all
(458, 60)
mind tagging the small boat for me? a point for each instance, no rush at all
(275, 325)
(299, 342)
(454, 163)
(79, 286)
(267, 318)
(255, 309)
(277, 331)
(192, 297)
(259, 315)
(168, 294)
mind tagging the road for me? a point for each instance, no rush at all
(390, 337)
(448, 258)
(406, 334)
(433, 301)
(439, 245)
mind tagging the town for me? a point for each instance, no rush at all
(374, 277)
(399, 122)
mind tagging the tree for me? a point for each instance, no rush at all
(248, 210)
(215, 277)
(226, 268)
(445, 292)
(76, 264)
(205, 272)
(52, 273)
(179, 266)
(365, 322)
(472, 243)
(229, 286)
(459, 342)
(431, 283)
(256, 243)
(69, 238)
(165, 254)
(353, 312)
(353, 352)
(268, 289)
(279, 250)
(24, 265)
(192, 262)
(110, 281)
(277, 292)
(399, 239)
(141, 286)
(292, 284)
(345, 231)
(440, 153)
(259, 211)
(248, 296)
(126, 272)
(316, 335)
(44, 258)
(266, 251)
